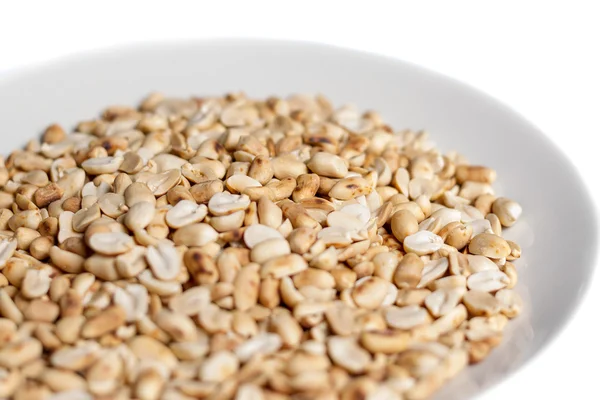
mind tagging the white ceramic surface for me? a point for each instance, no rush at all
(557, 231)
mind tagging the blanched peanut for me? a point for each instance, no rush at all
(511, 272)
(406, 317)
(408, 272)
(246, 287)
(508, 211)
(475, 174)
(344, 278)
(66, 261)
(36, 283)
(204, 191)
(268, 213)
(411, 206)
(179, 326)
(510, 302)
(261, 169)
(488, 281)
(238, 183)
(471, 190)
(269, 293)
(404, 224)
(137, 192)
(386, 342)
(495, 224)
(350, 188)
(422, 243)
(484, 203)
(314, 277)
(480, 303)
(106, 321)
(40, 247)
(251, 249)
(489, 245)
(306, 187)
(515, 250)
(327, 164)
(444, 299)
(369, 292)
(258, 233)
(459, 236)
(25, 236)
(346, 353)
(139, 215)
(268, 249)
(433, 270)
(385, 265)
(283, 266)
(228, 222)
(17, 354)
(297, 215)
(224, 203)
(46, 195)
(288, 166)
(195, 235)
(201, 266)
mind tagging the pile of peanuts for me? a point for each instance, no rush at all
(232, 248)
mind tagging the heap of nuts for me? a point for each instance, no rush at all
(231, 248)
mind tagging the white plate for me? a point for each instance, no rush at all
(558, 228)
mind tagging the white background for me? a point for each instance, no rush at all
(541, 58)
